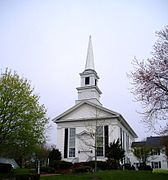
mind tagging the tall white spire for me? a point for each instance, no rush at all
(89, 91)
(90, 58)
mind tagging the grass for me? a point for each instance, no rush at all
(160, 171)
(109, 175)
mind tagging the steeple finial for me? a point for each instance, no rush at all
(89, 58)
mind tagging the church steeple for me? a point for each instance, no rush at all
(90, 57)
(89, 90)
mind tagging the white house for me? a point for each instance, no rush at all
(157, 158)
(88, 127)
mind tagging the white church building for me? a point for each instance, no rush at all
(88, 128)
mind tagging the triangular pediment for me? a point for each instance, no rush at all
(84, 133)
(85, 110)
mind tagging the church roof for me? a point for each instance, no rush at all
(112, 114)
(90, 57)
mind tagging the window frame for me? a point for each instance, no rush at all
(100, 144)
(87, 80)
(72, 143)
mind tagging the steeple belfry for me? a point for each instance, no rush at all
(89, 90)
(90, 57)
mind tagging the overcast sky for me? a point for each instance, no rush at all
(46, 42)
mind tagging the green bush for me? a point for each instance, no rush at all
(54, 155)
(145, 167)
(82, 169)
(27, 177)
(60, 165)
(5, 168)
(128, 166)
(100, 164)
(89, 163)
(46, 169)
(112, 164)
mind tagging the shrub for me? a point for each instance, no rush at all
(30, 165)
(5, 168)
(128, 166)
(145, 167)
(55, 154)
(89, 163)
(102, 165)
(82, 169)
(76, 165)
(60, 164)
(46, 169)
(112, 164)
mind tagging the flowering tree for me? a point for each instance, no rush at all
(150, 83)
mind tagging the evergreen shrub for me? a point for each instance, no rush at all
(60, 164)
(128, 166)
(46, 169)
(145, 167)
(82, 169)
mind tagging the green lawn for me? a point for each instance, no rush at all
(113, 175)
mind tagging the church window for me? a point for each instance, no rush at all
(72, 142)
(121, 139)
(99, 140)
(87, 80)
(66, 143)
(95, 82)
(127, 142)
(106, 139)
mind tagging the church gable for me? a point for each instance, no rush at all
(85, 111)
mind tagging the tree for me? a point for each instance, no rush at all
(41, 153)
(150, 83)
(115, 154)
(142, 153)
(22, 118)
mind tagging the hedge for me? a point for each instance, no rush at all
(82, 169)
(46, 169)
(60, 165)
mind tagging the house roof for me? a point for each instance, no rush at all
(113, 114)
(152, 141)
(9, 161)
